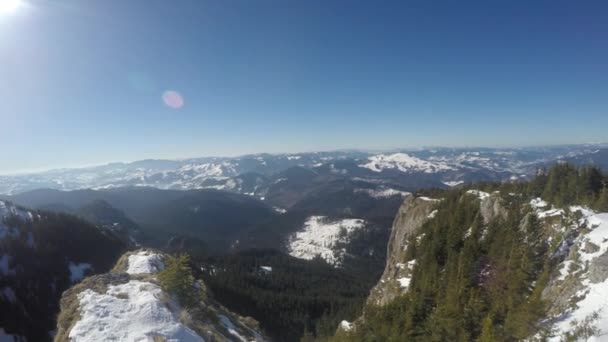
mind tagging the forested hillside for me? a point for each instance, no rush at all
(41, 255)
(480, 279)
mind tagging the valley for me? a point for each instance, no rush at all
(323, 252)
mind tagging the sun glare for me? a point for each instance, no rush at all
(9, 6)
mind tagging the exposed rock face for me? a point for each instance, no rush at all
(598, 269)
(492, 207)
(412, 214)
(128, 304)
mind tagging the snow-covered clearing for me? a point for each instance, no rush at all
(320, 236)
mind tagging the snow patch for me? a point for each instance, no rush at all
(404, 163)
(404, 282)
(128, 312)
(480, 194)
(320, 236)
(145, 262)
(382, 192)
(227, 323)
(453, 183)
(346, 325)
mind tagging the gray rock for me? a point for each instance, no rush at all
(598, 269)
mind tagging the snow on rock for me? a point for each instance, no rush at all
(432, 214)
(591, 301)
(428, 199)
(279, 210)
(480, 194)
(404, 163)
(128, 312)
(145, 262)
(227, 323)
(538, 203)
(346, 325)
(266, 268)
(404, 282)
(77, 270)
(453, 183)
(320, 237)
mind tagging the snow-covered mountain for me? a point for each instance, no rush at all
(253, 174)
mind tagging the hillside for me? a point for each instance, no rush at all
(41, 255)
(496, 263)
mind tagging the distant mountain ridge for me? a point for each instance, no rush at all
(254, 174)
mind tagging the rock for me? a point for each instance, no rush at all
(412, 214)
(492, 207)
(598, 268)
(590, 247)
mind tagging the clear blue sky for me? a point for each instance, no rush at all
(81, 82)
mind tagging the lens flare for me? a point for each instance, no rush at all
(173, 99)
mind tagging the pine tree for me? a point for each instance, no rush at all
(177, 279)
(487, 330)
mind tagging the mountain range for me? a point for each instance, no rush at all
(259, 174)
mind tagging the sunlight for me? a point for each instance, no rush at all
(9, 6)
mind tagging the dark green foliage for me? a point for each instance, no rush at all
(39, 272)
(178, 280)
(297, 296)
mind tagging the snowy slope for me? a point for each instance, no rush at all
(585, 266)
(404, 163)
(128, 312)
(321, 236)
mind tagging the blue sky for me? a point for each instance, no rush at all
(81, 82)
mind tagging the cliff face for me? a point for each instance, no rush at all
(412, 214)
(128, 304)
(577, 286)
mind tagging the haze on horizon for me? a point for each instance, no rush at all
(85, 83)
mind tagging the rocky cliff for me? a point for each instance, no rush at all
(412, 214)
(129, 304)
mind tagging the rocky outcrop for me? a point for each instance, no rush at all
(412, 214)
(129, 304)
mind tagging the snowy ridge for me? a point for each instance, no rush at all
(404, 163)
(128, 304)
(132, 311)
(128, 312)
(320, 237)
(145, 262)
